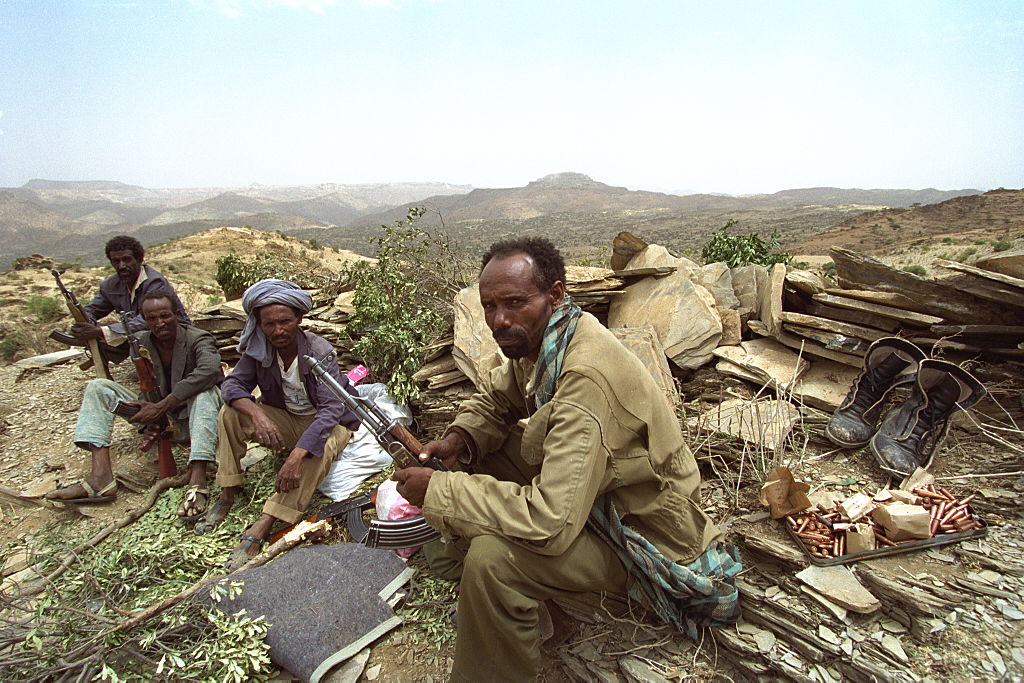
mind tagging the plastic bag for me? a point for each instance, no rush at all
(391, 505)
(362, 457)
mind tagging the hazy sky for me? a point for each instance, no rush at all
(671, 95)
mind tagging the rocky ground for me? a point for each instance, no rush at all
(959, 614)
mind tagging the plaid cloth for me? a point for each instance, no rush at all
(561, 327)
(689, 597)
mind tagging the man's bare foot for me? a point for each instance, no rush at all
(92, 489)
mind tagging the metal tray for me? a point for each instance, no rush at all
(934, 541)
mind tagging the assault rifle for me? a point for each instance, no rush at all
(403, 448)
(150, 388)
(99, 361)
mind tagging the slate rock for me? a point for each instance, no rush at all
(839, 585)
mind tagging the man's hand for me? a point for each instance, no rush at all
(413, 483)
(290, 474)
(86, 331)
(148, 412)
(446, 450)
(266, 431)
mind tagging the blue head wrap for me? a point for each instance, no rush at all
(265, 292)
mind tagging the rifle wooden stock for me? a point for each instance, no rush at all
(150, 388)
(99, 361)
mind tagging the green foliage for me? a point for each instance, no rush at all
(138, 566)
(739, 250)
(1002, 245)
(966, 253)
(44, 307)
(235, 274)
(402, 301)
(947, 240)
(916, 270)
(8, 347)
(314, 244)
(428, 607)
(980, 242)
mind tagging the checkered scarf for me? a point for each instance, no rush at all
(686, 597)
(558, 333)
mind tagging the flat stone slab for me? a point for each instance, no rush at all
(806, 281)
(807, 346)
(909, 317)
(766, 360)
(847, 329)
(825, 384)
(48, 359)
(764, 422)
(835, 342)
(1006, 262)
(839, 585)
(769, 305)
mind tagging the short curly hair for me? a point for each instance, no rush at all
(125, 242)
(550, 264)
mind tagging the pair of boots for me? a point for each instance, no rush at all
(905, 437)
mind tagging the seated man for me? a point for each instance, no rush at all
(295, 411)
(187, 366)
(542, 516)
(122, 291)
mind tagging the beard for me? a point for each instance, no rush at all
(513, 343)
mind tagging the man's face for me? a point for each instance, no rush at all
(160, 319)
(280, 325)
(127, 266)
(516, 310)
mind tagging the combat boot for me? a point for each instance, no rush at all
(890, 362)
(910, 433)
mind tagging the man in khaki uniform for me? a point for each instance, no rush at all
(597, 425)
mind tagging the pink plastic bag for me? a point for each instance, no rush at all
(392, 506)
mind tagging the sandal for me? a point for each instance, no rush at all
(92, 496)
(192, 508)
(249, 548)
(214, 516)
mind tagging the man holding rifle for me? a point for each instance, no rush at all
(561, 508)
(187, 367)
(122, 291)
(295, 412)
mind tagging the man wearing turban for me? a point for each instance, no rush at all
(294, 411)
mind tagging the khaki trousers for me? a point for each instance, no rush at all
(503, 584)
(235, 430)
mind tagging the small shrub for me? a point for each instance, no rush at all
(740, 250)
(314, 244)
(235, 274)
(916, 270)
(966, 253)
(402, 301)
(1002, 245)
(44, 307)
(8, 347)
(171, 268)
(947, 240)
(980, 242)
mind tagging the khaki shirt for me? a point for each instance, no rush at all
(607, 429)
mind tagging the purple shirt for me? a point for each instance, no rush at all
(330, 411)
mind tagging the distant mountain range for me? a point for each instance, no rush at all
(72, 219)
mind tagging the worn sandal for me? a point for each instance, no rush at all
(192, 508)
(92, 497)
(249, 548)
(214, 516)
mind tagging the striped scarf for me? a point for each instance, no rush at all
(688, 597)
(557, 335)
